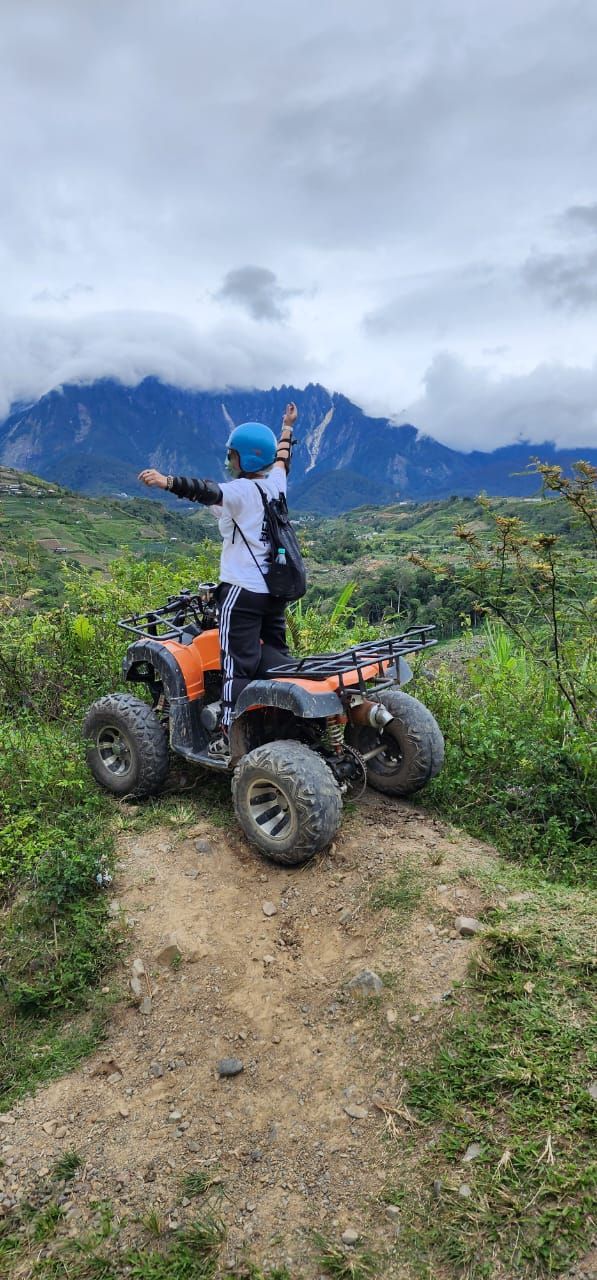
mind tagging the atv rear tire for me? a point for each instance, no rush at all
(414, 746)
(287, 801)
(128, 754)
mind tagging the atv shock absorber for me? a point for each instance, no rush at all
(334, 733)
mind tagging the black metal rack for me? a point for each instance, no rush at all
(170, 621)
(378, 653)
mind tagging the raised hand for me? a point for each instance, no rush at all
(153, 478)
(290, 415)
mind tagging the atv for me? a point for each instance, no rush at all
(306, 734)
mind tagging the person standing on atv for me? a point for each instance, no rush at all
(248, 613)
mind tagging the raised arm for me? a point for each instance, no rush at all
(284, 452)
(204, 491)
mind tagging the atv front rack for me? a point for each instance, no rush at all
(380, 653)
(171, 621)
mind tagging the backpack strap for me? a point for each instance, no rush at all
(251, 553)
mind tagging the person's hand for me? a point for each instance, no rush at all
(153, 478)
(290, 415)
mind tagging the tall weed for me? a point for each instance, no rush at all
(520, 769)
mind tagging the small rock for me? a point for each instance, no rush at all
(351, 1236)
(391, 1017)
(520, 897)
(115, 1077)
(366, 983)
(138, 968)
(169, 955)
(137, 987)
(592, 1090)
(464, 1191)
(472, 1152)
(60, 1131)
(269, 908)
(174, 1117)
(145, 1006)
(202, 846)
(436, 1189)
(193, 874)
(122, 1178)
(50, 1127)
(156, 1069)
(123, 1111)
(268, 959)
(392, 1212)
(7, 1119)
(345, 916)
(467, 926)
(230, 1067)
(250, 1206)
(356, 1112)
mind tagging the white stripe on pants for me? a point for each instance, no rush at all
(227, 659)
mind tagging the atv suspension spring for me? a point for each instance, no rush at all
(334, 733)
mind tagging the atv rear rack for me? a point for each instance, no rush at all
(371, 653)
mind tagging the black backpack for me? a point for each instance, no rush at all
(285, 576)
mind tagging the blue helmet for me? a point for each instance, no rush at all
(255, 444)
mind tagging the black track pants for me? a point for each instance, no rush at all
(247, 618)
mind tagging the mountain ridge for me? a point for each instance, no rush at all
(96, 437)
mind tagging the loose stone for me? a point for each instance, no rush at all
(351, 1236)
(230, 1067)
(366, 983)
(467, 926)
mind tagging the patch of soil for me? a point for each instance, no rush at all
(271, 991)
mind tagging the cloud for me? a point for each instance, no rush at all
(257, 291)
(564, 279)
(580, 217)
(468, 408)
(198, 166)
(62, 295)
(37, 355)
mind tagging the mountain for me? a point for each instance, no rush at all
(96, 438)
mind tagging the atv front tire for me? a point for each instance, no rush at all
(128, 752)
(413, 746)
(287, 801)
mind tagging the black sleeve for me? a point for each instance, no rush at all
(205, 491)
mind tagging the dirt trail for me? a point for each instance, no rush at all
(270, 991)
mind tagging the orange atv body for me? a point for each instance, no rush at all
(306, 732)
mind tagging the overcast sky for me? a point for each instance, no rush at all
(397, 199)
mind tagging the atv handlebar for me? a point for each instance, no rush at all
(170, 620)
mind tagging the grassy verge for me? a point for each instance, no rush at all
(56, 936)
(502, 1183)
(36, 1249)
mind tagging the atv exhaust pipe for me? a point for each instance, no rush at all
(373, 714)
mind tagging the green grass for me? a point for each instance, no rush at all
(201, 1181)
(510, 1072)
(400, 894)
(345, 1264)
(66, 1166)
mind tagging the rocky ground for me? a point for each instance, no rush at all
(241, 1051)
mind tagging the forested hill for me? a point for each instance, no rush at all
(96, 438)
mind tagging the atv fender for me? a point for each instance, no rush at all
(187, 735)
(287, 696)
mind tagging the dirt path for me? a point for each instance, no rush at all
(271, 991)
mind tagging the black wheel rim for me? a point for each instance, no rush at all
(389, 759)
(114, 751)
